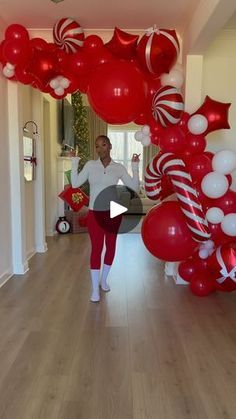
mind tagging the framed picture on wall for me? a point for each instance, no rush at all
(29, 158)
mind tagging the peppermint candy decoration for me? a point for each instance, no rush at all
(169, 164)
(68, 35)
(167, 106)
(158, 50)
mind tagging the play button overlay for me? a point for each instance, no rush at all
(118, 209)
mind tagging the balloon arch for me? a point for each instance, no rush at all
(131, 79)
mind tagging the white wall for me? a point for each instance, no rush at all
(219, 82)
(5, 221)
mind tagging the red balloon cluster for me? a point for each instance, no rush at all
(120, 89)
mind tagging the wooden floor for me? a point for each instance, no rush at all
(148, 350)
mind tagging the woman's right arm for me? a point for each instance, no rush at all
(78, 179)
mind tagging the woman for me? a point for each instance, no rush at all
(101, 174)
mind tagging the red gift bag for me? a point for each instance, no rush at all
(74, 197)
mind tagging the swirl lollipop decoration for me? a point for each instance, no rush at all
(169, 164)
(68, 35)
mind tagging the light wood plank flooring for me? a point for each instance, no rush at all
(148, 350)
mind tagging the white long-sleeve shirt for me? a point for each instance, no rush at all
(100, 177)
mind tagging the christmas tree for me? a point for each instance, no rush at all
(81, 131)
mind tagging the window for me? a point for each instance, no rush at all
(124, 146)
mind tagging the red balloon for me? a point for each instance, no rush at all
(216, 114)
(227, 202)
(77, 64)
(17, 51)
(158, 51)
(196, 144)
(117, 92)
(38, 43)
(98, 57)
(23, 75)
(43, 66)
(199, 165)
(183, 123)
(172, 140)
(166, 234)
(142, 119)
(208, 154)
(217, 235)
(16, 32)
(202, 284)
(92, 42)
(122, 44)
(188, 268)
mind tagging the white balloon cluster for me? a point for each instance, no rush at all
(174, 78)
(215, 184)
(143, 136)
(59, 84)
(8, 70)
(206, 249)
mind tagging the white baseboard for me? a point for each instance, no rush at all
(5, 277)
(42, 248)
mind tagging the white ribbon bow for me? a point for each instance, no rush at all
(225, 274)
(152, 30)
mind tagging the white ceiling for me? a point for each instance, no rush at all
(102, 14)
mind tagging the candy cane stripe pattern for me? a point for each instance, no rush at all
(68, 35)
(171, 165)
(167, 106)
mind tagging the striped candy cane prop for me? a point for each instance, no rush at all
(171, 165)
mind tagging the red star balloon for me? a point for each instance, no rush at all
(123, 44)
(216, 114)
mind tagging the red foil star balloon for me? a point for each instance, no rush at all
(216, 114)
(123, 44)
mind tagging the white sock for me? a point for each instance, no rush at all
(105, 272)
(95, 297)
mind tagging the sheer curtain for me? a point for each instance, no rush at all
(96, 127)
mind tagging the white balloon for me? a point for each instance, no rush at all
(228, 224)
(215, 215)
(10, 66)
(224, 162)
(174, 78)
(203, 253)
(209, 244)
(214, 185)
(54, 83)
(145, 130)
(59, 91)
(7, 72)
(138, 136)
(146, 141)
(197, 124)
(65, 82)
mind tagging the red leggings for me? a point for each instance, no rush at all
(100, 227)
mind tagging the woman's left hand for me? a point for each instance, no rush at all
(135, 158)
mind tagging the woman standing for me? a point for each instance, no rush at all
(101, 174)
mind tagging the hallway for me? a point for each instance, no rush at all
(148, 350)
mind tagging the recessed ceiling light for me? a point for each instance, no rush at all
(56, 1)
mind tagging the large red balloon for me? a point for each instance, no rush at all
(17, 32)
(166, 234)
(16, 51)
(117, 92)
